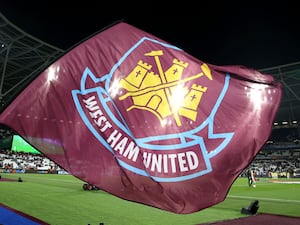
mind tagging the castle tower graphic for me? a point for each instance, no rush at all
(156, 92)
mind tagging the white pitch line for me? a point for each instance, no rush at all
(266, 199)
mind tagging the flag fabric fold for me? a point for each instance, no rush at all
(145, 121)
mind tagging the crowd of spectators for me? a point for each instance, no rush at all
(266, 164)
(280, 163)
(20, 162)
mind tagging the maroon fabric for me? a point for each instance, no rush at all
(145, 121)
(260, 219)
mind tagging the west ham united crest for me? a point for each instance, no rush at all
(155, 111)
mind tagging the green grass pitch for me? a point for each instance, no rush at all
(61, 200)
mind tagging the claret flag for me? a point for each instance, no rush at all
(145, 121)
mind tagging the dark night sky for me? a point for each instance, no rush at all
(258, 35)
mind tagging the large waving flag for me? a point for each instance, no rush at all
(145, 121)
